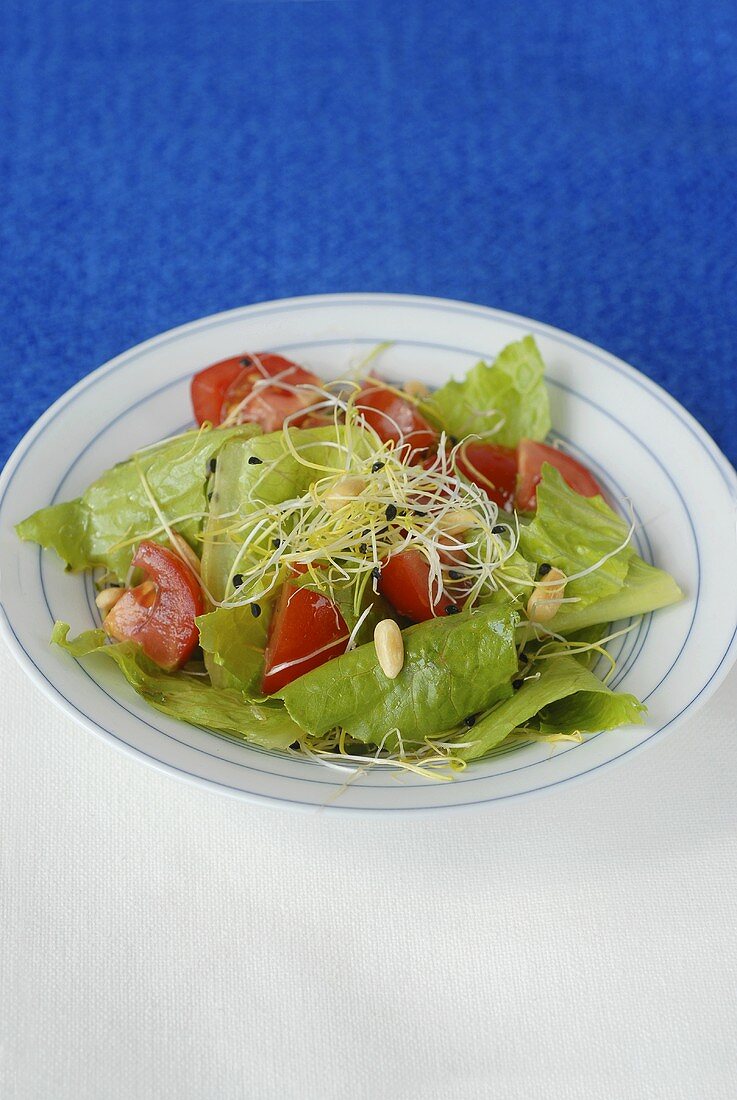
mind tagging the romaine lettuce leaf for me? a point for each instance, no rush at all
(645, 588)
(511, 391)
(573, 533)
(189, 698)
(253, 474)
(564, 699)
(453, 668)
(233, 642)
(88, 531)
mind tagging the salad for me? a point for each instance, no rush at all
(361, 572)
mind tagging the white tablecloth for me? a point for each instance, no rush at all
(163, 941)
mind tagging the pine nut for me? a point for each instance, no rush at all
(389, 647)
(458, 520)
(181, 547)
(414, 388)
(546, 597)
(107, 599)
(344, 491)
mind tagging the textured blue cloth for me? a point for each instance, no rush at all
(574, 162)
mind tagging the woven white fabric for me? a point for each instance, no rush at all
(160, 941)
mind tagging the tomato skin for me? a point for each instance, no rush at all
(217, 389)
(269, 406)
(162, 622)
(304, 621)
(492, 468)
(393, 418)
(209, 386)
(316, 420)
(404, 583)
(531, 456)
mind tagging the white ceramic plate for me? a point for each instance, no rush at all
(641, 444)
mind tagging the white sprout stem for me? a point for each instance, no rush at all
(354, 633)
(360, 369)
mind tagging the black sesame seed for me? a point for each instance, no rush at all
(246, 361)
(455, 575)
(517, 684)
(498, 529)
(255, 610)
(544, 569)
(376, 573)
(453, 439)
(363, 548)
(212, 465)
(237, 580)
(470, 721)
(377, 466)
(254, 461)
(276, 543)
(391, 512)
(452, 609)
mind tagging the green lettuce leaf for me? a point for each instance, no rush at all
(645, 588)
(453, 667)
(512, 389)
(233, 643)
(567, 698)
(253, 474)
(88, 531)
(190, 698)
(573, 533)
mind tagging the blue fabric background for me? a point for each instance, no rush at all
(575, 162)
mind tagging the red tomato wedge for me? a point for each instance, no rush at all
(493, 469)
(269, 405)
(531, 456)
(218, 389)
(208, 388)
(394, 418)
(160, 616)
(404, 582)
(307, 630)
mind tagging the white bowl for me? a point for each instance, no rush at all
(641, 444)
